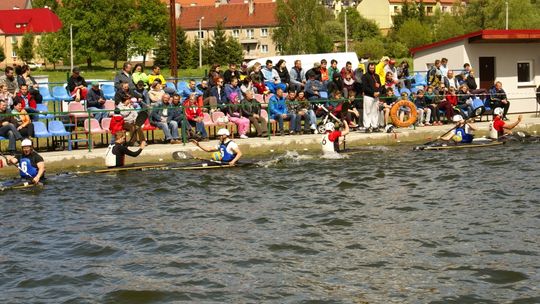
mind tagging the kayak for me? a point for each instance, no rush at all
(449, 145)
(204, 165)
(18, 184)
(201, 165)
(131, 167)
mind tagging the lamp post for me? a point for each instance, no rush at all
(506, 14)
(346, 34)
(200, 41)
(172, 19)
(71, 44)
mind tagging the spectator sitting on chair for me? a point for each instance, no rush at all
(209, 101)
(313, 87)
(233, 88)
(465, 101)
(130, 118)
(271, 77)
(230, 73)
(7, 127)
(278, 109)
(192, 89)
(6, 95)
(251, 109)
(294, 107)
(195, 118)
(77, 85)
(95, 101)
(156, 92)
(297, 76)
(161, 118)
(124, 76)
(26, 79)
(385, 104)
(219, 93)
(281, 68)
(234, 113)
(139, 75)
(10, 81)
(315, 70)
(247, 86)
(423, 109)
(122, 93)
(333, 69)
(156, 75)
(28, 102)
(22, 121)
(177, 113)
(499, 99)
(141, 93)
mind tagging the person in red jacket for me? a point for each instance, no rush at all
(194, 116)
(447, 105)
(500, 125)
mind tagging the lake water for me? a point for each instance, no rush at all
(385, 225)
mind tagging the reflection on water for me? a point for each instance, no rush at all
(379, 226)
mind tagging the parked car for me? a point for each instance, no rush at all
(34, 66)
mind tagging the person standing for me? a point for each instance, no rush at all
(372, 89)
(116, 154)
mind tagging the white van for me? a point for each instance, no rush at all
(309, 59)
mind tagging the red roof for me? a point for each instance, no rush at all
(487, 36)
(38, 20)
(447, 2)
(11, 4)
(237, 15)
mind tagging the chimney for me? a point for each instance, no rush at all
(251, 7)
(178, 10)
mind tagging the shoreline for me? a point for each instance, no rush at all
(59, 161)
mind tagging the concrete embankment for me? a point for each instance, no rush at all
(82, 158)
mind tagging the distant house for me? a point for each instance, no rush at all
(509, 56)
(251, 23)
(15, 23)
(15, 4)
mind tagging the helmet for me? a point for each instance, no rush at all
(329, 126)
(26, 143)
(498, 111)
(223, 131)
(457, 118)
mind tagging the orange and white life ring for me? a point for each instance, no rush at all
(394, 114)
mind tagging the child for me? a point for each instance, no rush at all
(422, 108)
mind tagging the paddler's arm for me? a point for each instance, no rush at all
(237, 157)
(41, 170)
(346, 130)
(196, 143)
(514, 124)
(128, 152)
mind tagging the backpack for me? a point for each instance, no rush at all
(117, 124)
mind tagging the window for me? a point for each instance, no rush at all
(250, 33)
(236, 33)
(14, 44)
(264, 48)
(429, 10)
(396, 9)
(201, 35)
(264, 32)
(525, 72)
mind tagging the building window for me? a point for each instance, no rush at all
(444, 8)
(264, 48)
(14, 44)
(264, 32)
(250, 33)
(200, 34)
(396, 9)
(429, 10)
(525, 72)
(236, 33)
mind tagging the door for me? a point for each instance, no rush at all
(487, 72)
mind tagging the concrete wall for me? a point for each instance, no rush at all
(506, 55)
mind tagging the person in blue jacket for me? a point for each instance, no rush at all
(278, 111)
(31, 165)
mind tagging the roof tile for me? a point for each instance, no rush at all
(232, 16)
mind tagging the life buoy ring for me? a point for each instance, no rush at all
(394, 113)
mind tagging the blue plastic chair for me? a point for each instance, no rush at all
(414, 90)
(396, 91)
(60, 94)
(108, 91)
(323, 94)
(419, 79)
(57, 129)
(181, 85)
(170, 85)
(40, 131)
(43, 108)
(45, 93)
(405, 90)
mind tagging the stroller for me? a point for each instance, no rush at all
(326, 116)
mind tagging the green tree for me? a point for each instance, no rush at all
(299, 29)
(358, 26)
(369, 48)
(187, 54)
(408, 11)
(235, 51)
(26, 50)
(395, 49)
(150, 19)
(447, 26)
(491, 14)
(334, 29)
(52, 4)
(414, 33)
(218, 53)
(2, 53)
(51, 48)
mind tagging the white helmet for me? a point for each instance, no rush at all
(457, 118)
(26, 143)
(329, 126)
(223, 131)
(498, 111)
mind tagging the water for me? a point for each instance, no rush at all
(386, 225)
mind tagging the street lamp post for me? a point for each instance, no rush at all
(346, 34)
(172, 20)
(200, 41)
(507, 14)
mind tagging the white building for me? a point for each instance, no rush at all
(509, 56)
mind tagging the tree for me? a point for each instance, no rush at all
(52, 4)
(51, 48)
(369, 48)
(150, 19)
(447, 26)
(187, 54)
(235, 51)
(491, 14)
(358, 26)
(414, 33)
(26, 50)
(2, 53)
(219, 46)
(299, 29)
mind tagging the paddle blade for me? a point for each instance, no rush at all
(179, 155)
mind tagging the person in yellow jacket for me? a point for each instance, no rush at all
(379, 68)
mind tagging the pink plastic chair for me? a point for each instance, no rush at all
(207, 120)
(94, 128)
(109, 105)
(76, 110)
(216, 115)
(273, 122)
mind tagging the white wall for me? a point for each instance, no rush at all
(454, 52)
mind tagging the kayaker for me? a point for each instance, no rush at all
(500, 126)
(30, 163)
(462, 132)
(330, 140)
(116, 154)
(227, 151)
